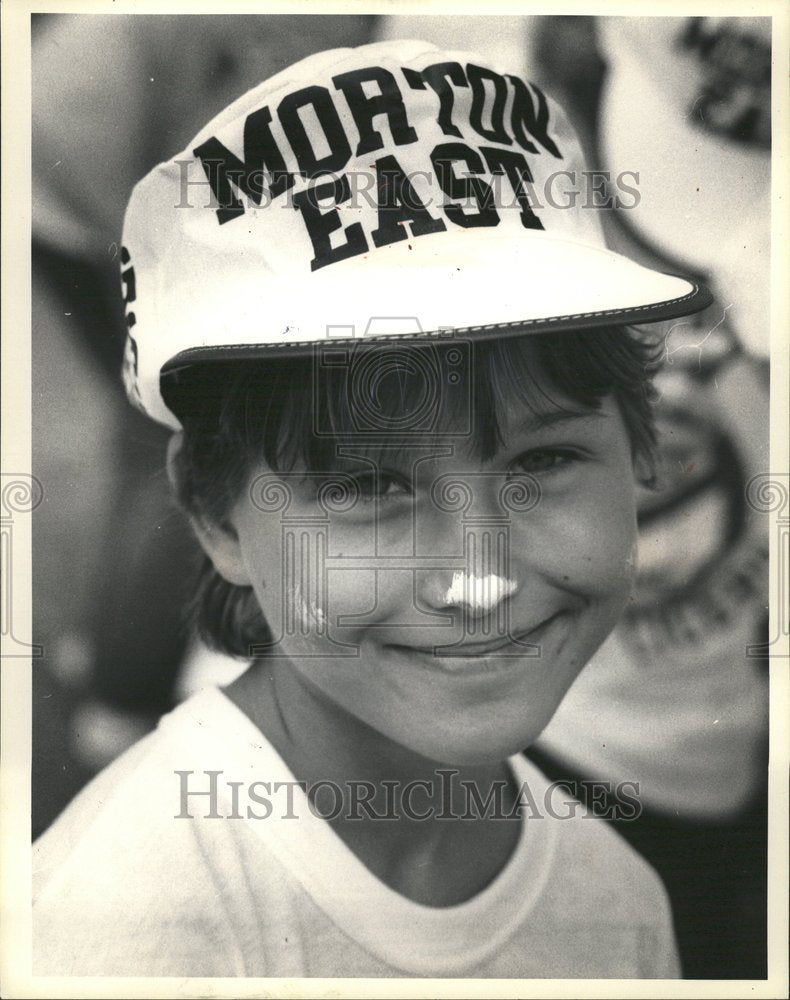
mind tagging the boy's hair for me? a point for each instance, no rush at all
(290, 413)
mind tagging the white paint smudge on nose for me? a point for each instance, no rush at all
(480, 593)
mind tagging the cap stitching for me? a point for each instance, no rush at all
(510, 325)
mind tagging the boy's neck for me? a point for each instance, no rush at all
(320, 742)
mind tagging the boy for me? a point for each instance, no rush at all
(408, 426)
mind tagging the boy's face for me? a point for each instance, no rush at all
(360, 594)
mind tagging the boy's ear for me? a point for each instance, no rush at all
(220, 543)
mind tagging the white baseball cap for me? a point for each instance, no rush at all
(391, 190)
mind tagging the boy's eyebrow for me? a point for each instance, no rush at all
(539, 421)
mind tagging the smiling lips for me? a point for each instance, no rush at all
(479, 650)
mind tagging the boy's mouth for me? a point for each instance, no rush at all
(526, 643)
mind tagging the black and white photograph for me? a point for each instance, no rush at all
(396, 512)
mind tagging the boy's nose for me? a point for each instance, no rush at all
(476, 595)
(485, 581)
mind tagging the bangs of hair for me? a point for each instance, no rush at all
(294, 411)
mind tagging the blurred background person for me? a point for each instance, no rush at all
(681, 689)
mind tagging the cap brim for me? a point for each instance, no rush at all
(470, 283)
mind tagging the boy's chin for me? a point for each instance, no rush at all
(485, 748)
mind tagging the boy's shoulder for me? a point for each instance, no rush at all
(598, 894)
(591, 863)
(119, 857)
(127, 789)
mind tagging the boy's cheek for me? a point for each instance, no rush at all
(587, 543)
(613, 542)
(313, 609)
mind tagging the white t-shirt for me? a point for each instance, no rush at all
(124, 887)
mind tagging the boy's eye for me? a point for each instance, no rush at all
(545, 459)
(384, 486)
